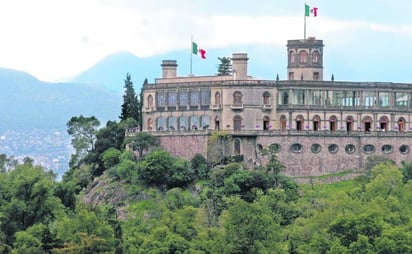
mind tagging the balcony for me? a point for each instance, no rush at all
(147, 109)
(267, 107)
(216, 107)
(236, 106)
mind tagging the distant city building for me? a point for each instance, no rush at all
(317, 126)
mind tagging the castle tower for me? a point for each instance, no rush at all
(239, 66)
(305, 59)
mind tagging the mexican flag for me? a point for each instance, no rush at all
(198, 51)
(311, 11)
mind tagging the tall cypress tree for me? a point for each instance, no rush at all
(131, 105)
(224, 67)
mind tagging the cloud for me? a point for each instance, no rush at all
(57, 39)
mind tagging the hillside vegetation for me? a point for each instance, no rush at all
(113, 200)
(227, 209)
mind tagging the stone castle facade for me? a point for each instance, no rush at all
(318, 127)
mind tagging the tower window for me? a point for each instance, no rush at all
(266, 97)
(303, 56)
(315, 57)
(291, 57)
(291, 76)
(316, 75)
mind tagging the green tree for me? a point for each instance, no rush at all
(160, 169)
(83, 131)
(249, 228)
(131, 104)
(219, 147)
(224, 67)
(273, 164)
(111, 157)
(200, 166)
(406, 171)
(28, 198)
(84, 232)
(111, 136)
(140, 142)
(7, 163)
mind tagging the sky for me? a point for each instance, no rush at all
(55, 40)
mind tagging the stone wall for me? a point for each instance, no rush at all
(184, 145)
(305, 161)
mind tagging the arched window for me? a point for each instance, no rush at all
(299, 123)
(236, 147)
(315, 57)
(332, 123)
(205, 122)
(266, 98)
(316, 123)
(194, 123)
(217, 98)
(383, 124)
(349, 123)
(171, 123)
(237, 98)
(291, 57)
(401, 124)
(237, 123)
(283, 123)
(303, 57)
(367, 123)
(150, 101)
(183, 123)
(161, 124)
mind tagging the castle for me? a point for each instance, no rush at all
(317, 127)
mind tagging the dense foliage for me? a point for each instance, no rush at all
(171, 208)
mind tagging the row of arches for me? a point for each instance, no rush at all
(304, 57)
(178, 123)
(237, 99)
(347, 124)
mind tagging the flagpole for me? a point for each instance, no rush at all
(304, 24)
(191, 53)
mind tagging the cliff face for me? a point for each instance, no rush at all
(105, 191)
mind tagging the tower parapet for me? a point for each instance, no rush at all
(305, 59)
(239, 65)
(169, 68)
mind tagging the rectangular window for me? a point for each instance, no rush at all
(291, 76)
(401, 100)
(205, 97)
(161, 99)
(316, 76)
(171, 99)
(183, 98)
(316, 97)
(298, 97)
(194, 98)
(384, 99)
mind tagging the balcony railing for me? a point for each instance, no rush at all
(147, 109)
(216, 107)
(267, 107)
(236, 106)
